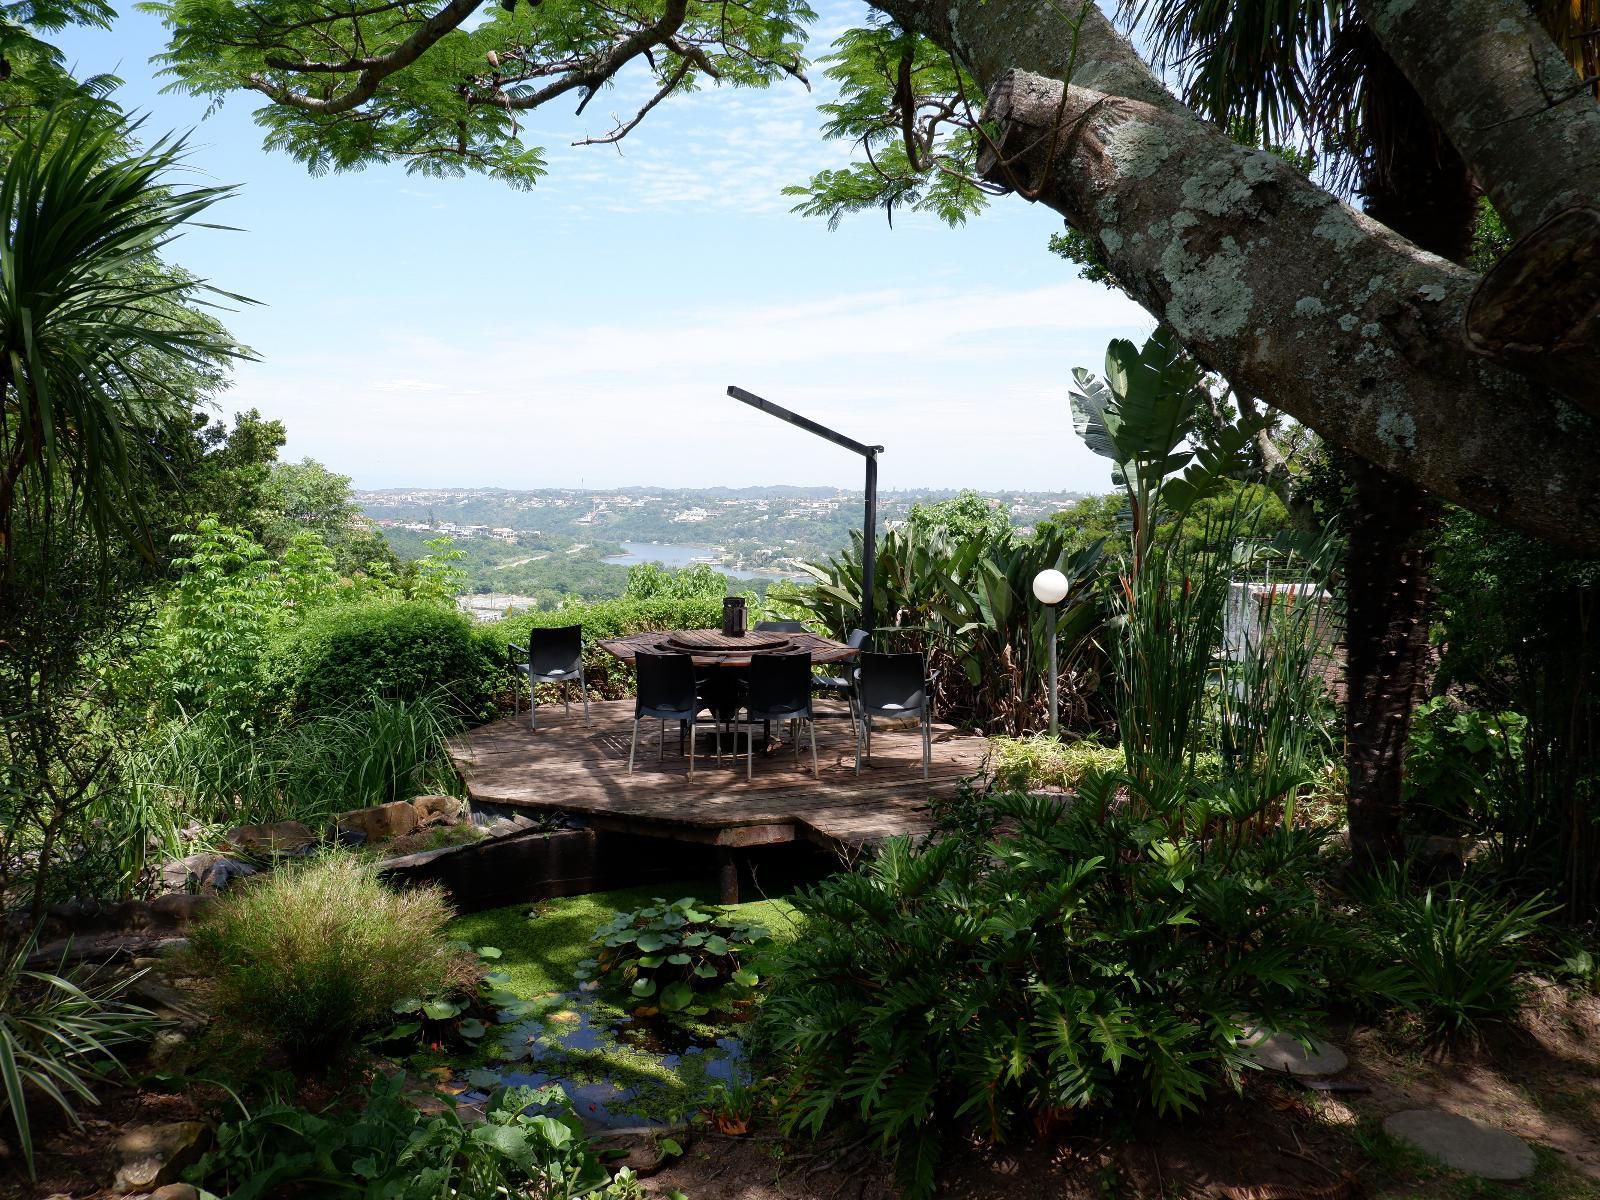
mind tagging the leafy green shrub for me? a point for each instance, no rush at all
(313, 955)
(684, 958)
(1079, 960)
(348, 654)
(57, 1034)
(1040, 761)
(967, 602)
(1452, 951)
(607, 677)
(391, 1149)
(1458, 763)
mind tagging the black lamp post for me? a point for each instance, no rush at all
(869, 523)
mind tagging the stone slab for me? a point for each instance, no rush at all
(1462, 1143)
(1284, 1052)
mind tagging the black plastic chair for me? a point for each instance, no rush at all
(893, 686)
(780, 627)
(843, 687)
(779, 690)
(552, 656)
(668, 691)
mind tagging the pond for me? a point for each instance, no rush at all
(619, 1073)
(621, 1069)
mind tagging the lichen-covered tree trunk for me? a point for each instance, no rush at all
(1270, 280)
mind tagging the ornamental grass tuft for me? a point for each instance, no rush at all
(315, 954)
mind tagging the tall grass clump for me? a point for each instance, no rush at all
(215, 772)
(316, 954)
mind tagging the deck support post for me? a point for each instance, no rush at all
(727, 875)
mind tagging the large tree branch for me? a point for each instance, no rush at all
(1506, 97)
(376, 69)
(1271, 281)
(1529, 128)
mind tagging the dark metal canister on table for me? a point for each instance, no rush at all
(733, 616)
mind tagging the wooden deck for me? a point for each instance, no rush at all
(570, 767)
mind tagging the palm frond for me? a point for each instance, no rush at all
(98, 340)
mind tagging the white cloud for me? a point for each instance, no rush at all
(952, 382)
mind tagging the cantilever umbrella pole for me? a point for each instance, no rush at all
(869, 519)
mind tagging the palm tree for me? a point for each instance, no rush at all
(1312, 71)
(99, 341)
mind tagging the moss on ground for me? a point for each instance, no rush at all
(542, 944)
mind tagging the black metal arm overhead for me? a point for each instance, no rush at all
(869, 524)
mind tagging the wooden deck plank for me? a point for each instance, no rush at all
(569, 766)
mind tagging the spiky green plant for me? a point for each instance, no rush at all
(96, 344)
(57, 1034)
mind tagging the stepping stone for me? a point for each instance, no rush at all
(1463, 1144)
(1282, 1052)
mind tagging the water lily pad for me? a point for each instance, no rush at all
(480, 1077)
(472, 1028)
(679, 959)
(644, 987)
(676, 996)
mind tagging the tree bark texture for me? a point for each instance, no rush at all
(1387, 600)
(1505, 95)
(1416, 183)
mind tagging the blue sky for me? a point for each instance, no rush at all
(459, 333)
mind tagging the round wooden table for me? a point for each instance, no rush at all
(713, 648)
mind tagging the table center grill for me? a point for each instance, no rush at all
(714, 641)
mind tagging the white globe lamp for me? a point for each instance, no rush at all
(1050, 588)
